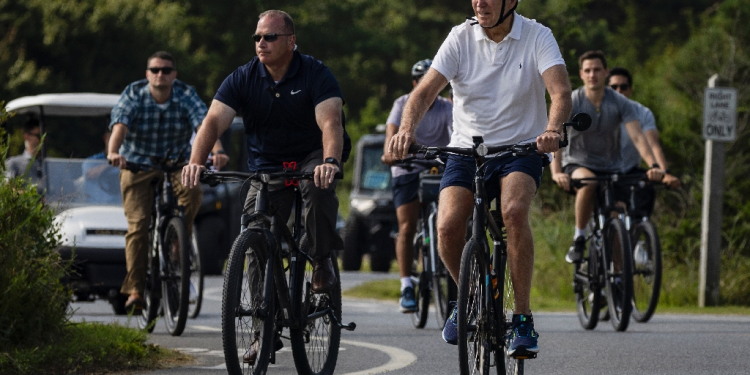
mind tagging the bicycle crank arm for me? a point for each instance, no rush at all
(349, 327)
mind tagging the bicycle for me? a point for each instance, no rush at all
(485, 291)
(433, 281)
(196, 279)
(607, 262)
(646, 246)
(268, 287)
(170, 255)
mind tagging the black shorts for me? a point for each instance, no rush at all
(460, 171)
(405, 189)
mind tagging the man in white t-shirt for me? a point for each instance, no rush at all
(499, 65)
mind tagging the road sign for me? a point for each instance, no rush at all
(720, 114)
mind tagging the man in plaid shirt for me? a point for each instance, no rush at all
(154, 116)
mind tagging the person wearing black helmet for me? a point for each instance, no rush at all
(499, 65)
(435, 130)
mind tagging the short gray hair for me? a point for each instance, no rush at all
(288, 22)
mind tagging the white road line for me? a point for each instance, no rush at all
(206, 328)
(400, 358)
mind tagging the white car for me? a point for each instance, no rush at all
(86, 195)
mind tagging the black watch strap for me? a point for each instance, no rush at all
(332, 160)
(655, 165)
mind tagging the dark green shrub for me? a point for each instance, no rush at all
(32, 300)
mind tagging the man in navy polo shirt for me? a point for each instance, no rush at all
(292, 110)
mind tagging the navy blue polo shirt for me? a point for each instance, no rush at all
(279, 117)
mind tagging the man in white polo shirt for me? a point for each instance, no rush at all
(499, 64)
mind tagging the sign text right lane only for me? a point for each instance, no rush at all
(720, 114)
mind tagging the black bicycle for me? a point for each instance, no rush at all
(171, 258)
(267, 287)
(430, 278)
(485, 291)
(646, 246)
(607, 266)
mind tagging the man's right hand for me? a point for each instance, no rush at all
(117, 160)
(562, 180)
(191, 175)
(398, 148)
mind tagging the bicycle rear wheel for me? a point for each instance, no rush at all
(646, 271)
(587, 286)
(151, 293)
(247, 306)
(315, 345)
(618, 269)
(421, 282)
(474, 328)
(196, 278)
(506, 365)
(175, 281)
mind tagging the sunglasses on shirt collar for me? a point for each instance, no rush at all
(164, 70)
(268, 37)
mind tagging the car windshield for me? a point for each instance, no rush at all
(81, 182)
(375, 175)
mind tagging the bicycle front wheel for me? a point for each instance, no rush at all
(587, 286)
(247, 306)
(196, 278)
(618, 269)
(646, 271)
(315, 344)
(175, 280)
(474, 328)
(151, 293)
(421, 282)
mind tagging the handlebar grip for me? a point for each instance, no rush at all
(414, 148)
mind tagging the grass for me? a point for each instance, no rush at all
(91, 348)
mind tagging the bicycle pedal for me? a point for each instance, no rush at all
(526, 356)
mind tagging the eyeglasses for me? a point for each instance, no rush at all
(623, 86)
(37, 135)
(165, 70)
(268, 37)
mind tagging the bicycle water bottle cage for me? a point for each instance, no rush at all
(290, 166)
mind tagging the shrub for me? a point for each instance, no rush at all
(32, 300)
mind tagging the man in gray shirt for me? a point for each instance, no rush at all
(434, 130)
(597, 150)
(18, 166)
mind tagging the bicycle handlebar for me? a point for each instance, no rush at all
(215, 177)
(636, 179)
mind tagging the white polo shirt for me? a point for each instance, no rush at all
(498, 91)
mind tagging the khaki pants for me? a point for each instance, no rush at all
(138, 201)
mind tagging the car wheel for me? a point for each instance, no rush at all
(382, 251)
(353, 237)
(212, 239)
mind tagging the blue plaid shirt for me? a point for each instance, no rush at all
(153, 131)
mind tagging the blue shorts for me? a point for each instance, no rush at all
(405, 189)
(460, 171)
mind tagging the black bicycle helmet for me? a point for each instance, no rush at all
(420, 68)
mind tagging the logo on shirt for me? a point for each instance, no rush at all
(519, 66)
(295, 92)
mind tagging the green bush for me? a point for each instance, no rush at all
(32, 300)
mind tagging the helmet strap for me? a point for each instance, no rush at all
(503, 16)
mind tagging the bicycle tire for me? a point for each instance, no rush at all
(618, 277)
(196, 278)
(247, 305)
(646, 271)
(474, 334)
(147, 317)
(588, 292)
(506, 365)
(421, 286)
(175, 282)
(444, 290)
(320, 336)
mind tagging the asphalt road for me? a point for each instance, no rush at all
(385, 341)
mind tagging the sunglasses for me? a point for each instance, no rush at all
(268, 37)
(165, 70)
(37, 135)
(623, 86)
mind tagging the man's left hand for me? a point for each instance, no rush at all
(324, 174)
(548, 142)
(219, 160)
(655, 174)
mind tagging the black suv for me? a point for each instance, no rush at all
(372, 224)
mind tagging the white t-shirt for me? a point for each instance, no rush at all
(498, 91)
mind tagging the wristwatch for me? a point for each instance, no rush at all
(332, 160)
(655, 165)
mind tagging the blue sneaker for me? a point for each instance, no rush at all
(408, 302)
(450, 330)
(524, 337)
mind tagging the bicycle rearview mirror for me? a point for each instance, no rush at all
(581, 121)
